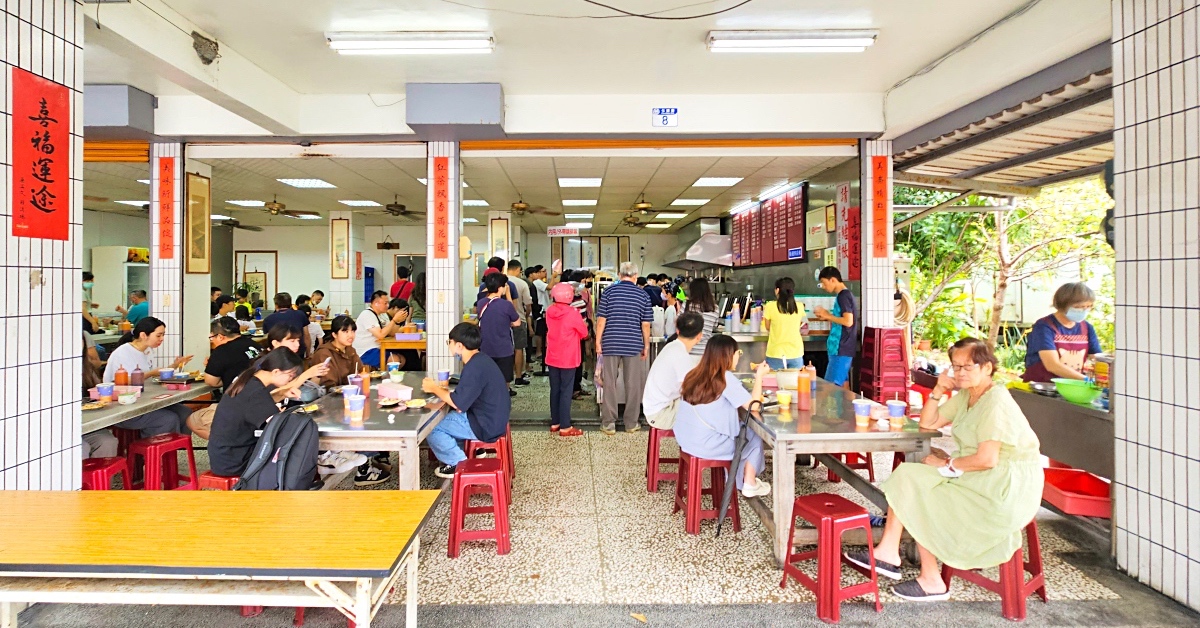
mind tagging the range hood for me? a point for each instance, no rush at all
(709, 250)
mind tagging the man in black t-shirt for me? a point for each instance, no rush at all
(231, 354)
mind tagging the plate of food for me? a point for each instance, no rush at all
(378, 374)
(93, 405)
(389, 403)
(308, 409)
(415, 404)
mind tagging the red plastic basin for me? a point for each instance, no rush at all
(1077, 492)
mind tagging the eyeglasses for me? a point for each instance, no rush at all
(965, 367)
(212, 336)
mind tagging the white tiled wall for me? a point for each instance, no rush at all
(166, 275)
(1157, 146)
(41, 340)
(878, 282)
(443, 299)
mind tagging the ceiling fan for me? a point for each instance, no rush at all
(642, 206)
(396, 209)
(237, 224)
(275, 208)
(631, 220)
(520, 208)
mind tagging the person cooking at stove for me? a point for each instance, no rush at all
(1059, 344)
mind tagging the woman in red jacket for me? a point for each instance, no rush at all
(565, 329)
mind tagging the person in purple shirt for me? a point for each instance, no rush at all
(497, 317)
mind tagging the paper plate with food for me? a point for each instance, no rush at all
(389, 403)
(93, 405)
(415, 404)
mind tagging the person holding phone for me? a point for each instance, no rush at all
(375, 325)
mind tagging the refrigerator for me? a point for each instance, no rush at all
(116, 277)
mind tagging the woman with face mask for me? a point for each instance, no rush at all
(1058, 344)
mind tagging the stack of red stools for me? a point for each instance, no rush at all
(884, 370)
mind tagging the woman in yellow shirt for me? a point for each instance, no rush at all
(783, 319)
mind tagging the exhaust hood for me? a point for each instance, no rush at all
(709, 250)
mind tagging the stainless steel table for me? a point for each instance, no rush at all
(827, 428)
(114, 413)
(106, 338)
(402, 434)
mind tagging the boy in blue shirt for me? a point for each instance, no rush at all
(843, 334)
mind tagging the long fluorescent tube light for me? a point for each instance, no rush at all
(579, 216)
(145, 181)
(657, 225)
(671, 216)
(776, 191)
(579, 182)
(303, 217)
(218, 217)
(470, 220)
(689, 202)
(411, 43)
(741, 208)
(472, 202)
(716, 182)
(247, 203)
(575, 202)
(307, 183)
(354, 203)
(134, 203)
(579, 225)
(791, 41)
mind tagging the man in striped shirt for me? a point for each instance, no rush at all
(623, 339)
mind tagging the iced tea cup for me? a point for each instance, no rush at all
(862, 412)
(106, 391)
(443, 378)
(355, 405)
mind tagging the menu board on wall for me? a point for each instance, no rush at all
(772, 231)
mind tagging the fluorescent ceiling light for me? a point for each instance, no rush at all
(134, 203)
(579, 225)
(716, 182)
(360, 203)
(426, 182)
(307, 183)
(776, 191)
(741, 208)
(671, 216)
(247, 203)
(145, 181)
(657, 225)
(470, 220)
(575, 202)
(219, 217)
(303, 217)
(411, 43)
(690, 202)
(471, 202)
(791, 41)
(579, 216)
(579, 182)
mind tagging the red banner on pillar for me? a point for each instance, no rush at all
(41, 157)
(441, 207)
(166, 208)
(880, 225)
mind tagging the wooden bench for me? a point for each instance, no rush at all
(243, 548)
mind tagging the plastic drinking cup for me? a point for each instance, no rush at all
(355, 405)
(420, 325)
(393, 366)
(106, 392)
(896, 408)
(350, 390)
(444, 378)
(784, 398)
(165, 374)
(862, 411)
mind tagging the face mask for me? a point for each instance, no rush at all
(88, 284)
(1076, 315)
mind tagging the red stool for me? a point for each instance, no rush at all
(689, 492)
(503, 448)
(1012, 587)
(862, 462)
(653, 473)
(156, 450)
(832, 515)
(125, 438)
(212, 481)
(486, 472)
(898, 459)
(98, 473)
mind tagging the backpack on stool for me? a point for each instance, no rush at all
(285, 457)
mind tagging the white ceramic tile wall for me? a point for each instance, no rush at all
(443, 309)
(41, 342)
(166, 275)
(878, 282)
(1157, 134)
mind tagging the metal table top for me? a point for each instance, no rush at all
(115, 413)
(376, 423)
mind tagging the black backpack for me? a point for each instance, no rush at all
(285, 457)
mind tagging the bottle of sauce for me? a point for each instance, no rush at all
(812, 374)
(803, 390)
(137, 377)
(366, 382)
(121, 377)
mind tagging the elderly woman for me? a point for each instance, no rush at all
(1058, 344)
(967, 511)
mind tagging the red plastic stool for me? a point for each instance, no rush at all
(862, 462)
(125, 438)
(689, 492)
(654, 474)
(832, 515)
(1012, 587)
(297, 619)
(503, 448)
(487, 472)
(98, 473)
(157, 449)
(897, 459)
(212, 481)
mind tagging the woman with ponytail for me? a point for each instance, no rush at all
(783, 319)
(707, 423)
(246, 406)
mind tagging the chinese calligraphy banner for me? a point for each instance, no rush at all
(166, 208)
(880, 225)
(41, 157)
(441, 207)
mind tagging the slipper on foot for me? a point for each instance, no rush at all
(912, 591)
(862, 559)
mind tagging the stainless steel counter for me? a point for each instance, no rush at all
(1080, 436)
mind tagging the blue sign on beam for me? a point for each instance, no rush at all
(796, 253)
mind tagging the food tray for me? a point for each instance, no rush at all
(1077, 492)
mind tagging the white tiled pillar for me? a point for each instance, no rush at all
(1156, 106)
(40, 339)
(166, 273)
(443, 300)
(878, 282)
(346, 295)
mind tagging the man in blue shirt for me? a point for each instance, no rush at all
(843, 334)
(140, 308)
(623, 339)
(286, 315)
(480, 401)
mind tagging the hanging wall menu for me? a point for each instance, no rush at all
(771, 232)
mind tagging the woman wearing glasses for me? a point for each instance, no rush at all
(967, 511)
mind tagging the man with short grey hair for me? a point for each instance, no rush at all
(623, 340)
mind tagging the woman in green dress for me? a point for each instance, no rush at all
(967, 511)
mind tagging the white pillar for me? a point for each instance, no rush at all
(878, 283)
(442, 266)
(1156, 490)
(346, 295)
(40, 340)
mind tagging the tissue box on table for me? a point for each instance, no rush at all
(409, 337)
(392, 390)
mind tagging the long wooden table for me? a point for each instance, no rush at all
(398, 345)
(236, 548)
(827, 428)
(115, 413)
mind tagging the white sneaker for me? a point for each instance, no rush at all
(332, 462)
(760, 488)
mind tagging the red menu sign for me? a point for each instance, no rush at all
(880, 225)
(441, 207)
(41, 157)
(166, 207)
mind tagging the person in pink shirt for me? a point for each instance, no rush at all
(565, 329)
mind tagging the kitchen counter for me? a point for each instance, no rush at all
(1080, 436)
